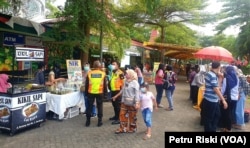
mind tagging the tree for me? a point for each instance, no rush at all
(236, 13)
(53, 11)
(243, 41)
(222, 40)
(163, 14)
(81, 19)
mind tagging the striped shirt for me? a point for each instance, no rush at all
(211, 81)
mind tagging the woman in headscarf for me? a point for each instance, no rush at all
(244, 90)
(129, 103)
(230, 90)
(4, 84)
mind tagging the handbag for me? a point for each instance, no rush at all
(129, 101)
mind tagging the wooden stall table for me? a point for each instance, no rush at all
(59, 103)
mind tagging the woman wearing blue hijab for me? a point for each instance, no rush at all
(230, 90)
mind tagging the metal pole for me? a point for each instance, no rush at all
(101, 34)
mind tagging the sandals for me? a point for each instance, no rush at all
(225, 130)
(238, 127)
(147, 136)
(118, 131)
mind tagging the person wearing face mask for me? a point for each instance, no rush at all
(147, 103)
(86, 69)
(115, 85)
(210, 109)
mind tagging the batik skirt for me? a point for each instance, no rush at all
(128, 119)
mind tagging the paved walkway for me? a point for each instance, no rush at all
(72, 133)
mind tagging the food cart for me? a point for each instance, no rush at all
(20, 107)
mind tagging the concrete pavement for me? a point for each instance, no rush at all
(72, 133)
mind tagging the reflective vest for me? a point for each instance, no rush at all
(96, 80)
(116, 82)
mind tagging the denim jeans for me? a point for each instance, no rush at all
(159, 92)
(140, 80)
(169, 94)
(87, 104)
(147, 117)
(240, 106)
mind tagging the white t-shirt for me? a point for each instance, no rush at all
(146, 100)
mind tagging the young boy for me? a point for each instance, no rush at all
(147, 101)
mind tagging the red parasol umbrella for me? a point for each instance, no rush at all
(215, 53)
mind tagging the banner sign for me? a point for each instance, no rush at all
(33, 41)
(22, 111)
(13, 39)
(74, 70)
(156, 66)
(29, 54)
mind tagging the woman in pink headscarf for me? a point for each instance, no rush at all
(4, 84)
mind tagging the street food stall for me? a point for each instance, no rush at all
(24, 104)
(65, 98)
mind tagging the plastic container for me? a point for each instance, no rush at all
(73, 111)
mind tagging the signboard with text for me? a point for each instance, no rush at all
(10, 39)
(22, 111)
(29, 54)
(74, 70)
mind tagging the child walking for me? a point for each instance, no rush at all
(147, 102)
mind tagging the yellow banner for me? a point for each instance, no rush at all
(156, 66)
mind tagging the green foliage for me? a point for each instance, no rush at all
(206, 41)
(53, 10)
(222, 40)
(236, 13)
(243, 41)
(140, 34)
(3, 4)
(82, 19)
(246, 69)
(179, 34)
(167, 16)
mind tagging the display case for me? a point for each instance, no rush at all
(24, 105)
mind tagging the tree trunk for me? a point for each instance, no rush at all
(162, 41)
(85, 52)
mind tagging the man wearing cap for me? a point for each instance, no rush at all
(210, 110)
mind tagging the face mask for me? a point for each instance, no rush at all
(144, 90)
(86, 68)
(110, 67)
(113, 67)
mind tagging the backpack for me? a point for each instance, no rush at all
(166, 80)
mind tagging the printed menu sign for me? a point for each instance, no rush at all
(74, 70)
